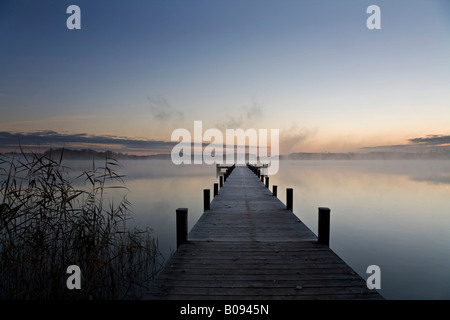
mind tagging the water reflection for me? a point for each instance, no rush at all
(390, 213)
(394, 214)
(157, 188)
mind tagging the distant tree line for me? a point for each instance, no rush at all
(89, 154)
(368, 156)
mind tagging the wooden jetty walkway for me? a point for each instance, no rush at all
(249, 246)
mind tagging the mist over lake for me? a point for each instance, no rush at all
(389, 213)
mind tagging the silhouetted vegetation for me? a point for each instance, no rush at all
(47, 224)
(89, 154)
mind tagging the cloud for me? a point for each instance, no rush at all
(247, 117)
(292, 138)
(161, 109)
(420, 144)
(432, 140)
(52, 139)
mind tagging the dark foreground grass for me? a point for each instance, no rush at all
(47, 224)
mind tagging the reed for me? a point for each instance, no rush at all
(47, 224)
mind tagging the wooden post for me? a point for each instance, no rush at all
(221, 181)
(258, 173)
(275, 190)
(206, 199)
(262, 179)
(182, 226)
(289, 198)
(267, 182)
(216, 189)
(324, 226)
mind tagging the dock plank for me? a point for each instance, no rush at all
(249, 246)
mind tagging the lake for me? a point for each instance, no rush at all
(394, 214)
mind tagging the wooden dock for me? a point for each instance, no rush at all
(249, 246)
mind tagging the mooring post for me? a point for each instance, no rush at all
(258, 173)
(262, 178)
(221, 181)
(289, 198)
(182, 226)
(275, 190)
(216, 189)
(324, 226)
(267, 182)
(206, 199)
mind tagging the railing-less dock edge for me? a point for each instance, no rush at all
(246, 237)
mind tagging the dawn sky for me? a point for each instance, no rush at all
(141, 69)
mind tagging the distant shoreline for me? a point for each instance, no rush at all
(89, 154)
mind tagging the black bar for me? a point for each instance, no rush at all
(206, 199)
(324, 226)
(289, 198)
(182, 226)
(216, 189)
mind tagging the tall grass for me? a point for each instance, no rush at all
(47, 224)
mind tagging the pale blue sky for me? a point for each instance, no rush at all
(141, 69)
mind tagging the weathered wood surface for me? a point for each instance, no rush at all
(249, 246)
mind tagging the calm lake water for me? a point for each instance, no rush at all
(394, 214)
